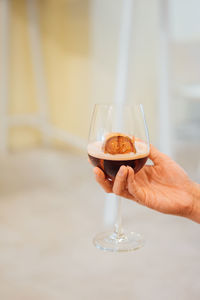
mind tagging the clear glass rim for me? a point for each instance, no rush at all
(139, 105)
(133, 106)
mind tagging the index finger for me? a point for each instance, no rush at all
(156, 156)
(102, 180)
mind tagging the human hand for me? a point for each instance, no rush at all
(164, 187)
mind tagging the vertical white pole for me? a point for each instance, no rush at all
(121, 90)
(123, 54)
(164, 120)
(38, 68)
(4, 72)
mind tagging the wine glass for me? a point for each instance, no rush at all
(109, 123)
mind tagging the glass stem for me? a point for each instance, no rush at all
(118, 224)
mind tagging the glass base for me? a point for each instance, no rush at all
(113, 242)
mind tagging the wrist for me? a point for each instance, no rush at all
(195, 213)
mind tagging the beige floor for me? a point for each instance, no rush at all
(50, 208)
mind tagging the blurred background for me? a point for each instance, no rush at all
(58, 58)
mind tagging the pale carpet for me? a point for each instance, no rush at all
(50, 209)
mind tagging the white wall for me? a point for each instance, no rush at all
(185, 17)
(143, 76)
(105, 16)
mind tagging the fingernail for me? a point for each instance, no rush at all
(121, 171)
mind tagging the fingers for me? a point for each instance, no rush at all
(120, 181)
(133, 188)
(156, 156)
(124, 184)
(101, 179)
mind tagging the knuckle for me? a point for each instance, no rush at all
(137, 200)
(98, 179)
(146, 201)
(186, 209)
(117, 191)
(131, 190)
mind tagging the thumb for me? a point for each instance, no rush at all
(134, 188)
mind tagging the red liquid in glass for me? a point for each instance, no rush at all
(111, 167)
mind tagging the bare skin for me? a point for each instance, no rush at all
(164, 187)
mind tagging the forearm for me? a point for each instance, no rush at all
(195, 214)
